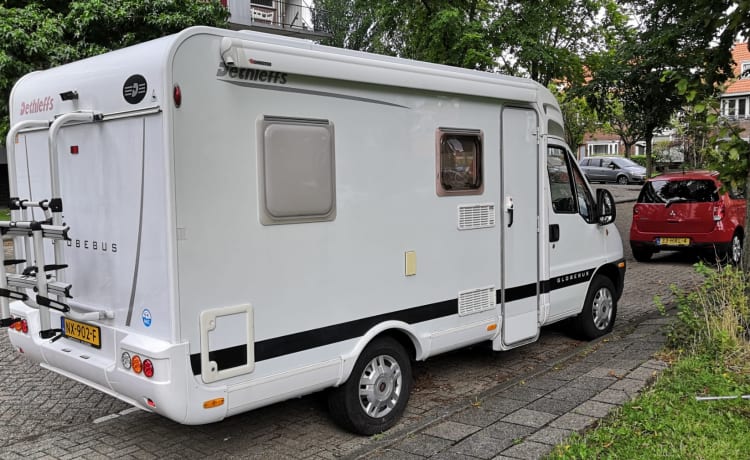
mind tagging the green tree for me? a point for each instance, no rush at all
(36, 35)
(703, 36)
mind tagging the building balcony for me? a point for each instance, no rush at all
(295, 18)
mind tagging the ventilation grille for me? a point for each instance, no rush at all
(476, 300)
(475, 216)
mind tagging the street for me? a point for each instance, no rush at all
(44, 415)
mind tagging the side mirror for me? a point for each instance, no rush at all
(606, 210)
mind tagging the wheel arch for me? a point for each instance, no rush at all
(402, 332)
(615, 274)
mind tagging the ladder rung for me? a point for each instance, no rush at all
(29, 282)
(31, 271)
(13, 261)
(25, 228)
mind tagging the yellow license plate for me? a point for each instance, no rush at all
(673, 241)
(83, 332)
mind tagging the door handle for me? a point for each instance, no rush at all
(509, 210)
(554, 233)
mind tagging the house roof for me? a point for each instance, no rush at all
(740, 55)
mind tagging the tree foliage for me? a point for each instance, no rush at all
(541, 39)
(36, 35)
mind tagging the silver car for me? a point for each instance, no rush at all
(613, 169)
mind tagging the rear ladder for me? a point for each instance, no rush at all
(29, 235)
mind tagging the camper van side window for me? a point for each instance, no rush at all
(459, 161)
(561, 191)
(297, 172)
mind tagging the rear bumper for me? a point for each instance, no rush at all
(171, 392)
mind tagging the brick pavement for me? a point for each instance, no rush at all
(46, 416)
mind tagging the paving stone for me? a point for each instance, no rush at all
(576, 394)
(594, 409)
(572, 421)
(508, 432)
(553, 406)
(550, 435)
(451, 430)
(477, 416)
(630, 386)
(611, 373)
(502, 404)
(391, 454)
(532, 418)
(643, 373)
(610, 396)
(655, 364)
(424, 445)
(592, 383)
(523, 393)
(528, 450)
(545, 383)
(480, 445)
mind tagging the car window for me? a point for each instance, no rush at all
(585, 162)
(626, 163)
(682, 191)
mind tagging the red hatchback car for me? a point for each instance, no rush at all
(687, 210)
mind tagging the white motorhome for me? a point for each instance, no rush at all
(216, 221)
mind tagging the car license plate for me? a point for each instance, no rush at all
(82, 332)
(673, 241)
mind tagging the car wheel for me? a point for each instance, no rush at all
(622, 180)
(642, 254)
(599, 311)
(734, 251)
(375, 395)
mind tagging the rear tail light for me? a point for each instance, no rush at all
(719, 209)
(137, 364)
(21, 325)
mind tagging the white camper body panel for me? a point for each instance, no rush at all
(230, 302)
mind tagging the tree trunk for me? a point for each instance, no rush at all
(649, 156)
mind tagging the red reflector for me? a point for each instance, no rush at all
(150, 403)
(74, 149)
(148, 368)
(24, 326)
(177, 94)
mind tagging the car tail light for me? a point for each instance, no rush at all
(24, 326)
(719, 210)
(135, 364)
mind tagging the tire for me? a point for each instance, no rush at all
(377, 391)
(641, 254)
(622, 180)
(599, 310)
(733, 254)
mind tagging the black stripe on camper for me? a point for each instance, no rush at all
(227, 358)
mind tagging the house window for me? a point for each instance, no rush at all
(297, 170)
(741, 107)
(459, 160)
(745, 70)
(266, 3)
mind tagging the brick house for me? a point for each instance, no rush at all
(735, 101)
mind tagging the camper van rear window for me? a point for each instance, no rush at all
(297, 173)
(459, 160)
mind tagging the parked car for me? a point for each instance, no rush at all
(680, 211)
(613, 169)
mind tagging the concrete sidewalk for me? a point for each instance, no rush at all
(526, 419)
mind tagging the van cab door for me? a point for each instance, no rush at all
(575, 240)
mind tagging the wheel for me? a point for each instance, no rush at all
(641, 254)
(733, 254)
(622, 180)
(598, 315)
(375, 395)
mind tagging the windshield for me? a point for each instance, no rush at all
(625, 163)
(679, 191)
